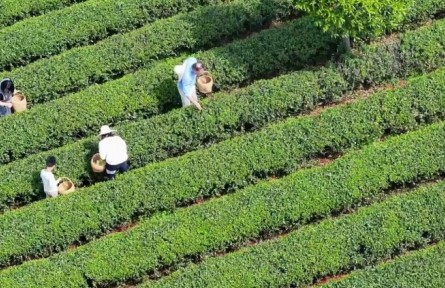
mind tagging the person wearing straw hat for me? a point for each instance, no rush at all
(49, 181)
(187, 75)
(6, 92)
(113, 150)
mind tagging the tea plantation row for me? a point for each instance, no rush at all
(45, 227)
(78, 68)
(83, 24)
(225, 115)
(314, 251)
(333, 246)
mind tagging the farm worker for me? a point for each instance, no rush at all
(49, 181)
(6, 92)
(113, 150)
(187, 74)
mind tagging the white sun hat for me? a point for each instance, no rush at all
(105, 129)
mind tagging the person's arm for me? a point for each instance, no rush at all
(53, 182)
(102, 151)
(6, 104)
(195, 103)
(188, 92)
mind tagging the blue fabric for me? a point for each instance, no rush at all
(188, 80)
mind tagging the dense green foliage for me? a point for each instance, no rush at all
(153, 139)
(356, 18)
(129, 94)
(421, 269)
(152, 90)
(78, 68)
(82, 24)
(372, 234)
(205, 27)
(266, 207)
(13, 10)
(32, 230)
(67, 52)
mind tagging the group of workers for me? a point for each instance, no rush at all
(112, 148)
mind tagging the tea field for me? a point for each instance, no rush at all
(309, 165)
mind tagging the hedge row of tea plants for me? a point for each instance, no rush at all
(45, 227)
(78, 68)
(424, 10)
(82, 24)
(153, 140)
(229, 221)
(181, 130)
(372, 234)
(14, 11)
(272, 206)
(90, 21)
(151, 91)
(207, 26)
(420, 269)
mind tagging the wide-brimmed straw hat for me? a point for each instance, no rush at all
(105, 129)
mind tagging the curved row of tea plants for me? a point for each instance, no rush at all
(76, 69)
(429, 201)
(45, 227)
(258, 210)
(426, 265)
(424, 10)
(153, 140)
(82, 24)
(205, 27)
(181, 130)
(229, 65)
(372, 234)
(157, 142)
(153, 90)
(14, 11)
(254, 107)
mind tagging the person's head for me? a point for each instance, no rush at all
(51, 162)
(7, 86)
(105, 131)
(198, 67)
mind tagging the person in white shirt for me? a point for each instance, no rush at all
(113, 150)
(49, 181)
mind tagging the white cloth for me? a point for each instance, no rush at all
(49, 183)
(179, 71)
(113, 150)
(185, 100)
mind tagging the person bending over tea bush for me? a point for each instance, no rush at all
(113, 150)
(187, 75)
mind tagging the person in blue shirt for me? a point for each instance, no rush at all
(190, 70)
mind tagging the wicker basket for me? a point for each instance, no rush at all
(66, 186)
(18, 101)
(96, 164)
(205, 83)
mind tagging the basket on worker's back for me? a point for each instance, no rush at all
(18, 101)
(205, 83)
(66, 186)
(97, 164)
